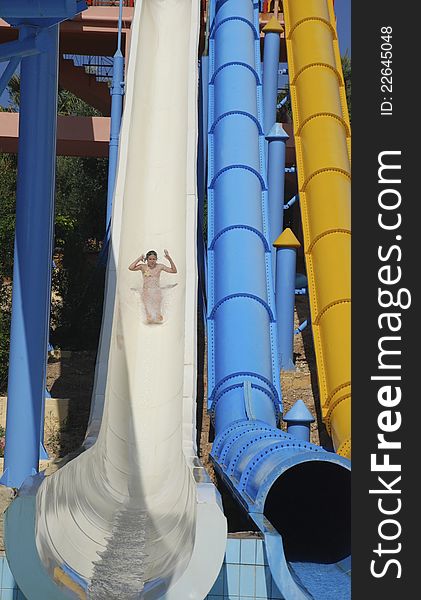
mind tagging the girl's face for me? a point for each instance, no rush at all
(151, 260)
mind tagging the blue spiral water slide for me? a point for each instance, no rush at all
(296, 492)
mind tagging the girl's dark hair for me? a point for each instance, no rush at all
(150, 253)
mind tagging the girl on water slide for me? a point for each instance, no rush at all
(151, 293)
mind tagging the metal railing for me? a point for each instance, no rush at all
(100, 66)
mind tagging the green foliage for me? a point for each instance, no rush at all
(7, 232)
(2, 440)
(7, 213)
(81, 191)
(5, 300)
(78, 280)
(67, 103)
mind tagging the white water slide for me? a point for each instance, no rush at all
(137, 506)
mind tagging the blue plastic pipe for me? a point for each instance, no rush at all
(291, 202)
(277, 138)
(117, 92)
(272, 44)
(286, 257)
(32, 260)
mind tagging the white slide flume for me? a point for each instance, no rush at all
(135, 515)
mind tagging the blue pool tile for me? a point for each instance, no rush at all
(232, 580)
(260, 554)
(247, 580)
(263, 582)
(7, 594)
(7, 580)
(232, 553)
(248, 552)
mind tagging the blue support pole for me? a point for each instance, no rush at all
(117, 92)
(272, 45)
(286, 256)
(298, 420)
(277, 138)
(32, 260)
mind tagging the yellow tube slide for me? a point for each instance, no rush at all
(322, 142)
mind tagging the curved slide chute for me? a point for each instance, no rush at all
(134, 514)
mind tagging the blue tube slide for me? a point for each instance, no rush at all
(267, 470)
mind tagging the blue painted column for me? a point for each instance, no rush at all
(286, 257)
(117, 93)
(32, 259)
(298, 419)
(271, 48)
(277, 138)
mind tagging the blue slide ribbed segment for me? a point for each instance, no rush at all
(241, 309)
(249, 452)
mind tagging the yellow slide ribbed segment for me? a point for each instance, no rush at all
(323, 150)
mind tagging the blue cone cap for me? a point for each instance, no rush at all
(299, 413)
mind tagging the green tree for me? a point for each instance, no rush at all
(78, 282)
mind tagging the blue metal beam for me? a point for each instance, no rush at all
(8, 73)
(40, 13)
(29, 46)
